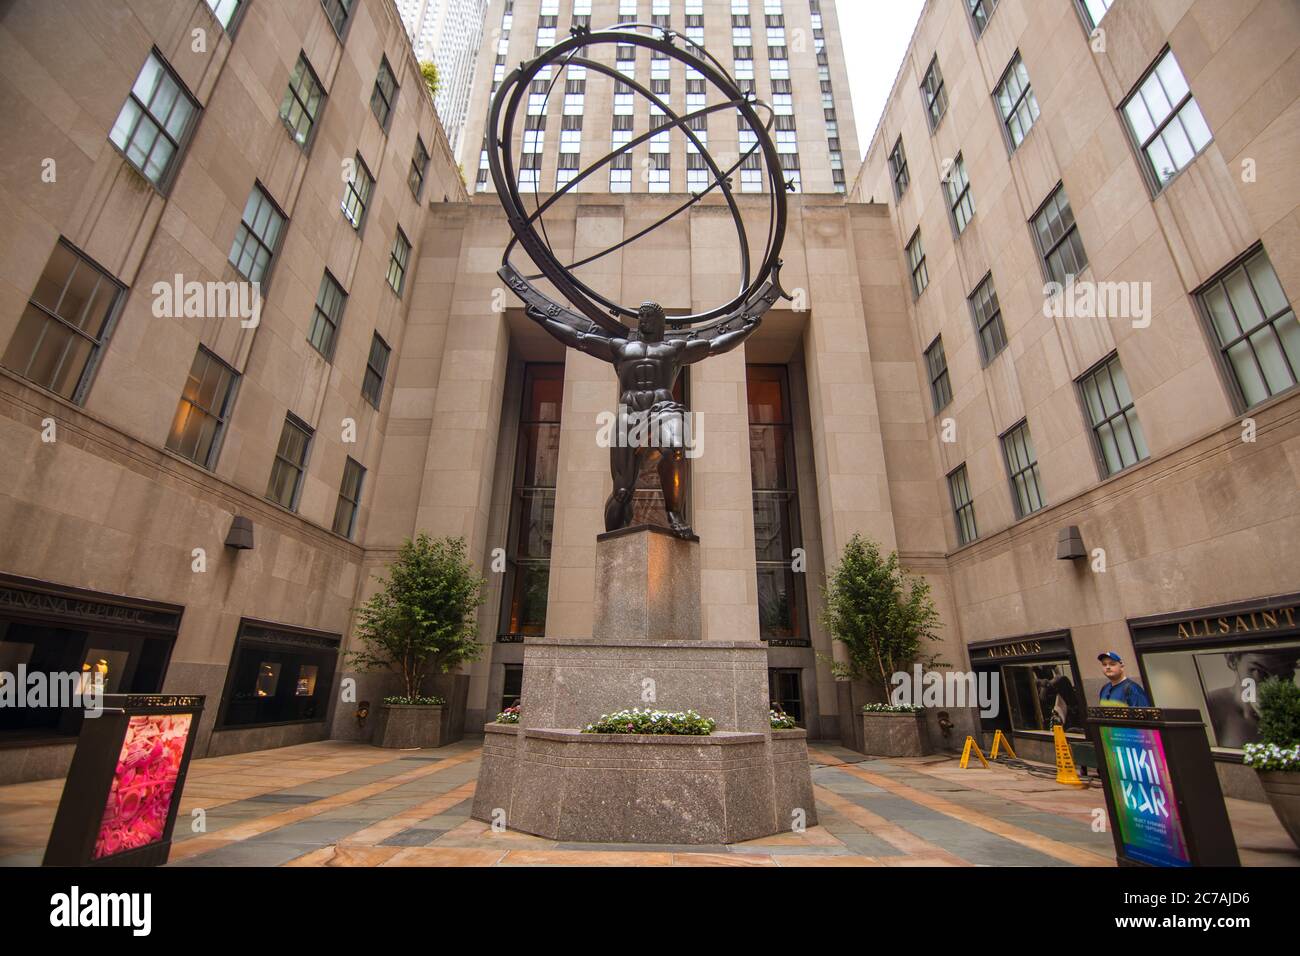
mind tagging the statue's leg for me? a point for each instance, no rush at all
(623, 468)
(672, 478)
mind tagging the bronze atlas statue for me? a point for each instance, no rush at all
(648, 358)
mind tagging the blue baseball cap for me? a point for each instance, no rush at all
(1110, 655)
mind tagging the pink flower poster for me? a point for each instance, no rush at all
(144, 783)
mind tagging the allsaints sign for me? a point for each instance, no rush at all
(1249, 620)
(1283, 617)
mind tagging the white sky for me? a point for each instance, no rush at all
(875, 34)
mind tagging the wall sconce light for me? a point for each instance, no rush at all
(1069, 544)
(240, 536)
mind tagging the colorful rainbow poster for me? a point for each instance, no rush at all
(1142, 793)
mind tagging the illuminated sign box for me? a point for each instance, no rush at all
(128, 772)
(1166, 807)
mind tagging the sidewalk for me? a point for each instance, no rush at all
(335, 803)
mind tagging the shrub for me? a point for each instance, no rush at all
(429, 70)
(509, 716)
(422, 618)
(637, 721)
(1279, 712)
(881, 616)
(890, 709)
(1272, 757)
(431, 701)
(780, 719)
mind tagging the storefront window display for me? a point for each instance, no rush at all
(1213, 660)
(1038, 683)
(278, 675)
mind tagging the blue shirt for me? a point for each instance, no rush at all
(1127, 692)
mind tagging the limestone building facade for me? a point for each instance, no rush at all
(391, 385)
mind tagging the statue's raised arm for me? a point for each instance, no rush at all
(594, 341)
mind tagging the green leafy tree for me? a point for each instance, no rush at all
(429, 70)
(423, 617)
(1279, 712)
(882, 617)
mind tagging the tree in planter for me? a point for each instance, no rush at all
(881, 616)
(423, 618)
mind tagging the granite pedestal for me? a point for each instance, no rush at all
(544, 776)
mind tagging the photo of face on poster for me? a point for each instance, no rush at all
(1223, 673)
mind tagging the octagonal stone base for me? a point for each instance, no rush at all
(643, 788)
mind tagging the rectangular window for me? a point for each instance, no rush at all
(155, 123)
(384, 94)
(512, 685)
(980, 11)
(987, 314)
(257, 237)
(224, 11)
(532, 503)
(1255, 325)
(1093, 11)
(302, 102)
(957, 186)
(785, 693)
(338, 12)
(898, 169)
(419, 166)
(397, 260)
(326, 317)
(203, 410)
(345, 511)
(916, 264)
(65, 324)
(936, 364)
(1115, 426)
(963, 508)
(782, 609)
(1165, 121)
(933, 94)
(659, 181)
(372, 386)
(290, 463)
(751, 180)
(1022, 469)
(356, 193)
(1057, 235)
(620, 180)
(1017, 104)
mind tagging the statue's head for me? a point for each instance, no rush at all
(651, 321)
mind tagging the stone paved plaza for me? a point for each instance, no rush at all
(336, 803)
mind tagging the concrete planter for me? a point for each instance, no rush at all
(1283, 790)
(404, 726)
(895, 735)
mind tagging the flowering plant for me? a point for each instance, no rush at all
(780, 719)
(890, 709)
(509, 716)
(1272, 757)
(422, 701)
(636, 721)
(140, 797)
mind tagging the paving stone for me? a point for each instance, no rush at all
(412, 836)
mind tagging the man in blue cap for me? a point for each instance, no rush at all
(1121, 691)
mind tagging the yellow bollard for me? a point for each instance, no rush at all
(1000, 739)
(1065, 772)
(965, 753)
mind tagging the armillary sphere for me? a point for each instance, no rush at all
(759, 286)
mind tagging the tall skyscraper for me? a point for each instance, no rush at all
(787, 53)
(450, 33)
